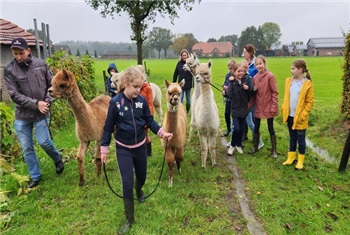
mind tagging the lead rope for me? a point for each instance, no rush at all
(160, 176)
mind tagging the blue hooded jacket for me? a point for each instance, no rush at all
(111, 90)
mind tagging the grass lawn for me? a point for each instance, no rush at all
(202, 201)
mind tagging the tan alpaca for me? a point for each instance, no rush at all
(207, 114)
(89, 117)
(175, 121)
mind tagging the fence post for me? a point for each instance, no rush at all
(105, 81)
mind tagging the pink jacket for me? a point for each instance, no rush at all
(266, 97)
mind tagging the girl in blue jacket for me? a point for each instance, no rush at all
(128, 113)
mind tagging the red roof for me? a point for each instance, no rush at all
(9, 31)
(210, 47)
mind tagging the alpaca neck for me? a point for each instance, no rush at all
(172, 117)
(78, 105)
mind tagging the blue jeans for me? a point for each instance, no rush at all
(188, 96)
(237, 131)
(250, 122)
(296, 136)
(24, 131)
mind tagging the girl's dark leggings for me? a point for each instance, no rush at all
(128, 161)
(269, 125)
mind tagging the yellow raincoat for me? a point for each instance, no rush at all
(304, 105)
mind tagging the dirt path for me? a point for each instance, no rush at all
(253, 225)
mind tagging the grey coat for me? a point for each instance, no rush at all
(27, 83)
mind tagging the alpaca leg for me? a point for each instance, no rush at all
(212, 150)
(179, 159)
(204, 149)
(170, 160)
(98, 162)
(192, 126)
(159, 113)
(81, 154)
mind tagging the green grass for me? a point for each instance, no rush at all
(202, 201)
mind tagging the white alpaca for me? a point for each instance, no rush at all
(207, 114)
(157, 101)
(191, 64)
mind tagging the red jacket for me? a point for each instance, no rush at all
(266, 95)
(146, 91)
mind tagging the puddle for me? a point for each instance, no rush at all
(320, 152)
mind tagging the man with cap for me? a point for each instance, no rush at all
(27, 80)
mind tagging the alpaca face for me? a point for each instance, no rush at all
(191, 63)
(173, 93)
(115, 79)
(63, 84)
(203, 73)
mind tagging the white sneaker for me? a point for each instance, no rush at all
(261, 144)
(230, 150)
(228, 144)
(239, 150)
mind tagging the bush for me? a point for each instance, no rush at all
(84, 72)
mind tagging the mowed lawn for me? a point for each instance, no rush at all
(326, 74)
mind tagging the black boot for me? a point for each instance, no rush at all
(273, 145)
(59, 166)
(255, 148)
(139, 193)
(188, 107)
(149, 149)
(129, 214)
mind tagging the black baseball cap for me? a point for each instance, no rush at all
(19, 43)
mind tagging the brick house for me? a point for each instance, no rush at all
(213, 49)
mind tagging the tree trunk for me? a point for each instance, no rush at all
(346, 153)
(139, 52)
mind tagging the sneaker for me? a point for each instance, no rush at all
(230, 150)
(239, 150)
(228, 144)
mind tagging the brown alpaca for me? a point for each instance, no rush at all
(175, 121)
(89, 117)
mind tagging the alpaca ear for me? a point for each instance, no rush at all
(182, 83)
(209, 64)
(54, 70)
(166, 83)
(65, 74)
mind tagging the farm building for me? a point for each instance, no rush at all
(326, 46)
(213, 49)
(119, 55)
(9, 31)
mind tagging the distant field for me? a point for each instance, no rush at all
(326, 73)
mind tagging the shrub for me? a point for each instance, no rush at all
(84, 72)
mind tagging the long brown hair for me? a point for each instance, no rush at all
(182, 51)
(301, 64)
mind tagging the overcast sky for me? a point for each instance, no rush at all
(75, 20)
